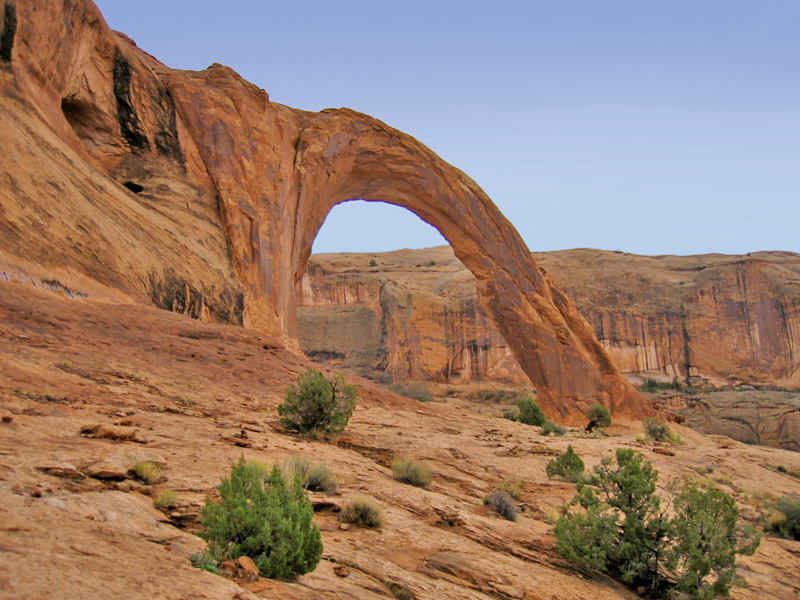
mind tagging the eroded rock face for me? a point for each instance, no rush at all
(719, 320)
(722, 319)
(715, 317)
(415, 316)
(767, 418)
(193, 190)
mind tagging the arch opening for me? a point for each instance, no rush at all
(406, 315)
(359, 225)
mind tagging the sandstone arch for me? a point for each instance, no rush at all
(343, 155)
(237, 188)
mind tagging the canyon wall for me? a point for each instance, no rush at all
(191, 190)
(714, 318)
(413, 317)
(763, 417)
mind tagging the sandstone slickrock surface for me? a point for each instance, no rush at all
(416, 315)
(191, 385)
(193, 191)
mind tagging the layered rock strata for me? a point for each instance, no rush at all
(766, 418)
(415, 315)
(193, 191)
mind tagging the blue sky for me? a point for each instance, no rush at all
(659, 127)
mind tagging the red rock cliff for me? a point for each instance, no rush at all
(192, 190)
(717, 318)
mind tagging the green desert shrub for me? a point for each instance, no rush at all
(656, 429)
(599, 416)
(786, 518)
(530, 413)
(705, 537)
(263, 518)
(511, 413)
(499, 397)
(621, 528)
(202, 561)
(550, 428)
(651, 385)
(618, 526)
(503, 504)
(567, 466)
(409, 471)
(318, 403)
(362, 510)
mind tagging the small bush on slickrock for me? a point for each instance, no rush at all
(147, 471)
(551, 429)
(568, 466)
(201, 561)
(409, 471)
(318, 403)
(786, 518)
(599, 416)
(512, 487)
(503, 504)
(259, 515)
(318, 478)
(656, 429)
(621, 528)
(321, 479)
(361, 510)
(530, 413)
(166, 499)
(296, 468)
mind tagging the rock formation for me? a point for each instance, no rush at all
(193, 191)
(766, 418)
(712, 319)
(125, 186)
(720, 321)
(76, 522)
(415, 316)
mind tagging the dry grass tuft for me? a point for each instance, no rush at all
(362, 510)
